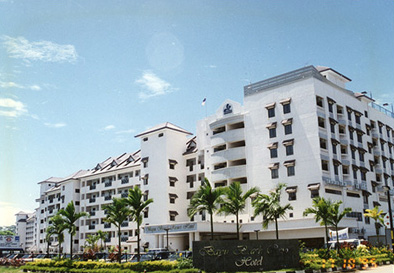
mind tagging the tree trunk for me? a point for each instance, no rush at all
(71, 246)
(336, 230)
(276, 227)
(120, 245)
(377, 232)
(60, 248)
(138, 241)
(211, 226)
(327, 239)
(236, 216)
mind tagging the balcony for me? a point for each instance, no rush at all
(92, 200)
(124, 224)
(229, 154)
(107, 225)
(124, 195)
(335, 182)
(92, 227)
(92, 187)
(106, 198)
(92, 213)
(229, 172)
(124, 238)
(228, 136)
(125, 180)
(108, 184)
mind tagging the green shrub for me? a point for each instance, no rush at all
(184, 263)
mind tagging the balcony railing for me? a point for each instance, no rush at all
(125, 224)
(106, 198)
(92, 200)
(92, 213)
(124, 195)
(92, 187)
(92, 227)
(124, 238)
(108, 184)
(107, 225)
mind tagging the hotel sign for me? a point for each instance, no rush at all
(187, 227)
(9, 241)
(247, 255)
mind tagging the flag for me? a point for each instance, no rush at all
(203, 101)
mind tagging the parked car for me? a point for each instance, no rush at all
(143, 258)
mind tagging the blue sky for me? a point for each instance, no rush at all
(78, 79)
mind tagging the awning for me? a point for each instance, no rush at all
(289, 163)
(273, 166)
(172, 179)
(366, 193)
(145, 159)
(336, 162)
(172, 161)
(273, 145)
(291, 189)
(334, 141)
(376, 204)
(287, 121)
(271, 125)
(173, 195)
(288, 142)
(285, 101)
(173, 213)
(270, 105)
(333, 121)
(314, 186)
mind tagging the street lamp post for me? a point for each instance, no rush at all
(167, 229)
(257, 233)
(390, 213)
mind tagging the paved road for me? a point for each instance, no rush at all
(380, 269)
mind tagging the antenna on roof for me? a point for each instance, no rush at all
(364, 92)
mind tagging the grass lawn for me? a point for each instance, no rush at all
(5, 269)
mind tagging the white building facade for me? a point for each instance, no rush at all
(302, 128)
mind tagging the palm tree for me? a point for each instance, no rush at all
(91, 242)
(48, 237)
(205, 199)
(57, 228)
(336, 216)
(117, 213)
(70, 216)
(137, 206)
(102, 235)
(234, 201)
(269, 207)
(321, 209)
(375, 214)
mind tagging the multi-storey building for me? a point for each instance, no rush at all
(26, 227)
(302, 128)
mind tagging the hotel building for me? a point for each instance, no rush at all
(302, 128)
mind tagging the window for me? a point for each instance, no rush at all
(286, 108)
(161, 134)
(173, 214)
(274, 152)
(289, 149)
(323, 143)
(271, 112)
(145, 139)
(314, 188)
(286, 105)
(321, 122)
(354, 172)
(146, 179)
(332, 127)
(319, 101)
(352, 194)
(334, 148)
(324, 165)
(272, 132)
(290, 171)
(145, 162)
(333, 191)
(335, 169)
(172, 181)
(349, 113)
(288, 129)
(172, 163)
(274, 173)
(146, 213)
(172, 197)
(77, 190)
(290, 165)
(292, 191)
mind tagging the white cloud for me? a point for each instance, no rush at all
(152, 86)
(11, 108)
(109, 127)
(211, 66)
(55, 125)
(20, 86)
(46, 51)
